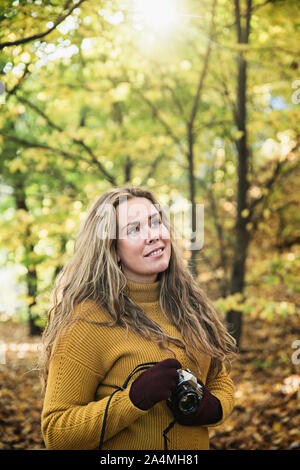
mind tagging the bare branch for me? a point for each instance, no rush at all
(39, 112)
(288, 243)
(69, 155)
(13, 91)
(248, 20)
(218, 226)
(175, 98)
(59, 20)
(238, 19)
(40, 145)
(157, 115)
(79, 142)
(204, 69)
(152, 169)
(253, 8)
(268, 184)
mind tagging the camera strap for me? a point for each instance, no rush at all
(138, 368)
(168, 428)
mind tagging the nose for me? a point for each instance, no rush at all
(152, 235)
(151, 240)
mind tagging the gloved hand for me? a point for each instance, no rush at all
(155, 384)
(209, 410)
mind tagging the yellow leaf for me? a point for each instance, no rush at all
(17, 165)
(245, 213)
(276, 427)
(30, 300)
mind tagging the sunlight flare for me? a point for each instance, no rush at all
(157, 14)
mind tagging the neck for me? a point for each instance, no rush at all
(143, 292)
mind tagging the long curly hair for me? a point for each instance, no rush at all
(93, 273)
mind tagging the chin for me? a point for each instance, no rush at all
(163, 266)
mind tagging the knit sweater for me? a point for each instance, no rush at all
(90, 359)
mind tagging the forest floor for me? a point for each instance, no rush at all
(266, 377)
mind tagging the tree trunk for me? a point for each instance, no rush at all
(128, 168)
(234, 318)
(31, 278)
(191, 141)
(190, 155)
(34, 329)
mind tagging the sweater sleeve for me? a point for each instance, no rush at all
(222, 388)
(71, 419)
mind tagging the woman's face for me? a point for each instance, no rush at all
(141, 233)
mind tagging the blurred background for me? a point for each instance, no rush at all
(196, 100)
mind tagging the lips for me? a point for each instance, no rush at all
(153, 252)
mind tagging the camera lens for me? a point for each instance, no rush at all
(188, 403)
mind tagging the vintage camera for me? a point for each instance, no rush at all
(187, 395)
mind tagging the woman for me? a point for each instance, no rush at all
(126, 298)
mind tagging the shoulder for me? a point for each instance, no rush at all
(91, 310)
(83, 335)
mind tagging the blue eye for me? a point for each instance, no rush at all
(157, 221)
(133, 229)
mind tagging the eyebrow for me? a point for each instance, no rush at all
(137, 221)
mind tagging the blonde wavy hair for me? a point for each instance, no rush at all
(93, 273)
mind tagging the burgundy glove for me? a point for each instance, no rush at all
(155, 384)
(209, 411)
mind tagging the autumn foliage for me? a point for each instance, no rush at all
(267, 391)
(201, 111)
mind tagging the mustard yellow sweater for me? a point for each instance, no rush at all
(90, 359)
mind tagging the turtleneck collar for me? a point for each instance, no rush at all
(143, 292)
